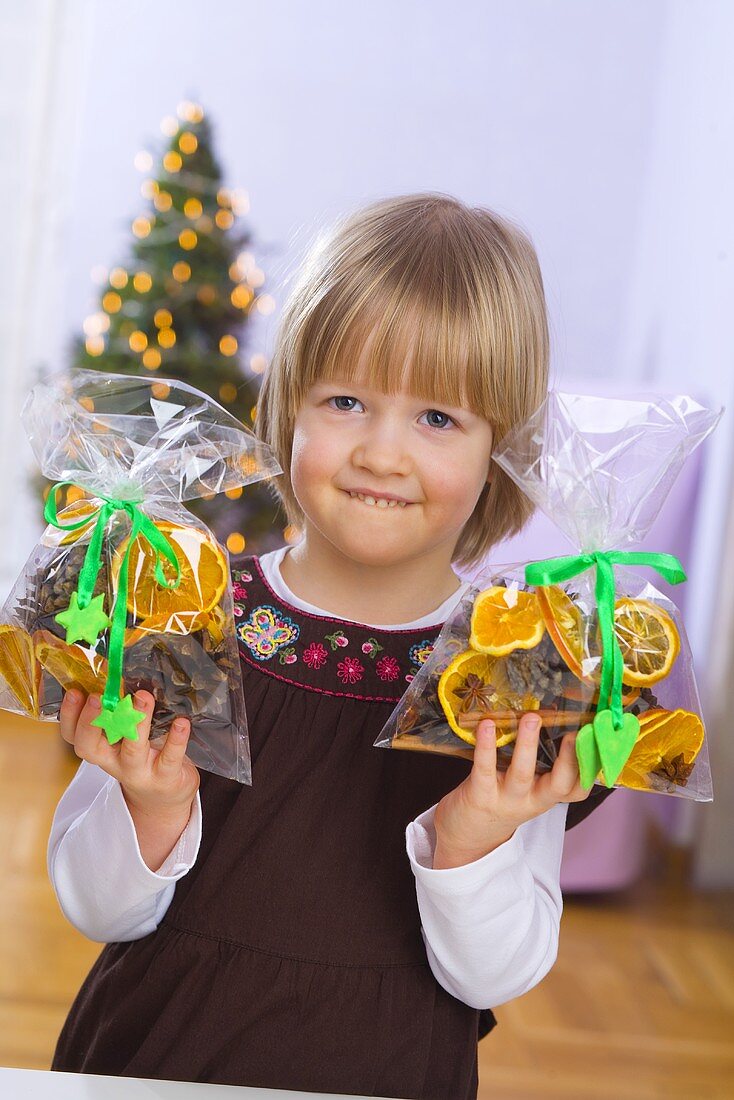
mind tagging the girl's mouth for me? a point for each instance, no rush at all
(379, 503)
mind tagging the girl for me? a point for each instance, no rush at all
(346, 923)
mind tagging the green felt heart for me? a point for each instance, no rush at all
(587, 755)
(614, 746)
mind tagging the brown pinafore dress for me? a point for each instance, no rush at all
(291, 955)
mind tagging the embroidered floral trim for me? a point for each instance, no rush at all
(288, 656)
(266, 631)
(387, 668)
(239, 591)
(278, 634)
(420, 653)
(350, 670)
(315, 656)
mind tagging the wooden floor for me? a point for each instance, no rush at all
(639, 1004)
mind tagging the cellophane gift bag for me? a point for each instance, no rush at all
(583, 640)
(127, 589)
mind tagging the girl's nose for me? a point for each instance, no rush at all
(382, 448)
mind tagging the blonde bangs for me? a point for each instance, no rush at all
(424, 293)
(396, 344)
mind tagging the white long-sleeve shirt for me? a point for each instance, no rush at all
(490, 928)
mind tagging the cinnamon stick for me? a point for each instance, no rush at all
(471, 718)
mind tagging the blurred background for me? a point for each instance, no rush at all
(166, 168)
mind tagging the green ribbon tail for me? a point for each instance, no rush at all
(93, 557)
(610, 686)
(162, 546)
(116, 644)
(667, 565)
(611, 739)
(141, 525)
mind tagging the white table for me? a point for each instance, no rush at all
(33, 1084)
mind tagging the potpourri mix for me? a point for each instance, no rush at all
(583, 640)
(127, 589)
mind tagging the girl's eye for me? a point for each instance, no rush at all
(342, 397)
(444, 419)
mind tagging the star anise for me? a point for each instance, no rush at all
(476, 694)
(675, 770)
(645, 701)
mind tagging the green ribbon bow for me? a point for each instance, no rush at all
(605, 745)
(85, 618)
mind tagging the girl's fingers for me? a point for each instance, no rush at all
(134, 754)
(576, 793)
(90, 742)
(171, 755)
(484, 769)
(521, 771)
(71, 707)
(562, 781)
(565, 767)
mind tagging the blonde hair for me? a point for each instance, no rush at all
(450, 300)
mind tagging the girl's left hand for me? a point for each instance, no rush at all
(485, 810)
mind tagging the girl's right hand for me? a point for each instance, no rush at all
(487, 807)
(158, 784)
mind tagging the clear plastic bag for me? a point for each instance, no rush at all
(583, 639)
(142, 587)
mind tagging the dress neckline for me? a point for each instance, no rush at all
(323, 653)
(325, 616)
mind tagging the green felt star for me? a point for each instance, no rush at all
(120, 722)
(85, 623)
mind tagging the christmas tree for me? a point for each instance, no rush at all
(183, 307)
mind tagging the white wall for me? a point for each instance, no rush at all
(540, 109)
(43, 54)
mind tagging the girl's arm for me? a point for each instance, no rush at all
(101, 881)
(491, 926)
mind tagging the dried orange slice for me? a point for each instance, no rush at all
(215, 622)
(204, 574)
(648, 639)
(478, 682)
(505, 619)
(177, 622)
(667, 745)
(19, 667)
(564, 622)
(180, 622)
(653, 717)
(73, 513)
(72, 665)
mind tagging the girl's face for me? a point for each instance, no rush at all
(351, 439)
